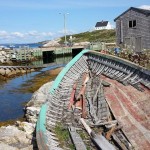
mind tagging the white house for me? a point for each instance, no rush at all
(103, 25)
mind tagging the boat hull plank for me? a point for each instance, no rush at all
(135, 120)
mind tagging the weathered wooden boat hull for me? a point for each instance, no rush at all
(116, 71)
(41, 128)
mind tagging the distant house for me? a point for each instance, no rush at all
(133, 29)
(103, 25)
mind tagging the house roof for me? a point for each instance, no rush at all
(143, 11)
(101, 24)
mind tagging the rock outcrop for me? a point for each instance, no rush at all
(11, 71)
(52, 43)
(34, 105)
(11, 137)
(4, 56)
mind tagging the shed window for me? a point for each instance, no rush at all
(132, 23)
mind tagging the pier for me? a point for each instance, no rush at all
(27, 53)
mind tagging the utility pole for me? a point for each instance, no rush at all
(65, 31)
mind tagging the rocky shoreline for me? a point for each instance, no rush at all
(12, 71)
(21, 136)
(4, 56)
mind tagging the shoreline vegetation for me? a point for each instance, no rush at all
(32, 86)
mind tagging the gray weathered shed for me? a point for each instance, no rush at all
(133, 29)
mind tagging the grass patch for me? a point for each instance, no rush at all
(85, 137)
(98, 35)
(11, 122)
(63, 136)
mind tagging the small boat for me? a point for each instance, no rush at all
(105, 96)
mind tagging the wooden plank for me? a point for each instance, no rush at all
(105, 123)
(77, 140)
(99, 140)
(119, 143)
(110, 132)
(72, 96)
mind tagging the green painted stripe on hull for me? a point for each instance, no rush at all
(42, 119)
(41, 129)
(63, 72)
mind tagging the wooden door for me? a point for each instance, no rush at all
(138, 44)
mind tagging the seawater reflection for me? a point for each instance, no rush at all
(11, 101)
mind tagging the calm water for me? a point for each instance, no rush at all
(31, 45)
(11, 101)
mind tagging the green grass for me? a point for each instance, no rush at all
(100, 35)
(63, 136)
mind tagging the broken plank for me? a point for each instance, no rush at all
(99, 140)
(77, 140)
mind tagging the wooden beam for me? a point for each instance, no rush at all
(99, 140)
(77, 140)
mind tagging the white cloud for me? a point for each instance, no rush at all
(30, 36)
(3, 33)
(145, 7)
(17, 34)
(39, 34)
(47, 34)
(23, 37)
(32, 33)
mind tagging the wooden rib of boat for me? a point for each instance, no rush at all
(102, 92)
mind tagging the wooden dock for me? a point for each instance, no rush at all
(26, 53)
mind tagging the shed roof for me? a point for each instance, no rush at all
(143, 11)
(101, 24)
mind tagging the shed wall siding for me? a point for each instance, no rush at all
(131, 36)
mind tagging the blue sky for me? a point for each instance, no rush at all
(27, 21)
